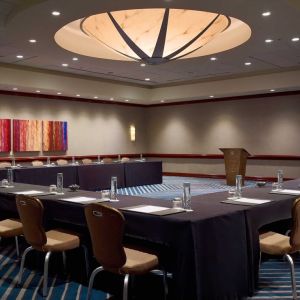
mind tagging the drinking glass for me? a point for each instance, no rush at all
(73, 160)
(119, 157)
(187, 199)
(52, 188)
(113, 189)
(232, 192)
(10, 178)
(60, 183)
(279, 180)
(98, 159)
(13, 161)
(48, 161)
(177, 203)
(274, 186)
(238, 186)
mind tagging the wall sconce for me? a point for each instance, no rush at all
(132, 133)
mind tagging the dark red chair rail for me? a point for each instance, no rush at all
(154, 155)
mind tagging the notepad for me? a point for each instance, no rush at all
(148, 208)
(80, 199)
(154, 210)
(246, 201)
(286, 192)
(250, 200)
(31, 192)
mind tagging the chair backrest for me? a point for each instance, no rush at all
(125, 159)
(37, 163)
(106, 227)
(107, 160)
(31, 211)
(295, 233)
(86, 161)
(62, 162)
(5, 164)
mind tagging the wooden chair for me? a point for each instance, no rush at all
(86, 161)
(62, 162)
(109, 251)
(31, 212)
(37, 163)
(274, 243)
(5, 164)
(11, 228)
(125, 159)
(107, 160)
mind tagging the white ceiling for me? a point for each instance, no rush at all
(21, 20)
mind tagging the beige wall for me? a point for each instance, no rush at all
(92, 128)
(262, 126)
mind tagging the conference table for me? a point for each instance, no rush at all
(92, 176)
(212, 251)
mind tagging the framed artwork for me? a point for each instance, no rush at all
(5, 129)
(27, 135)
(55, 136)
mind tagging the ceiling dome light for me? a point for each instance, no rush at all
(295, 39)
(152, 36)
(266, 14)
(55, 13)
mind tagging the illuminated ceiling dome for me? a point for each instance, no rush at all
(153, 36)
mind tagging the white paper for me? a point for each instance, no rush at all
(79, 199)
(249, 200)
(32, 192)
(287, 192)
(148, 208)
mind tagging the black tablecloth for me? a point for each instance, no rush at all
(98, 177)
(142, 173)
(212, 251)
(46, 175)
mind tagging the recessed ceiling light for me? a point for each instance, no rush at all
(55, 13)
(126, 100)
(15, 89)
(268, 40)
(77, 95)
(248, 63)
(143, 65)
(111, 99)
(37, 91)
(272, 90)
(75, 58)
(213, 58)
(147, 79)
(65, 65)
(162, 101)
(295, 39)
(32, 41)
(211, 96)
(19, 56)
(58, 93)
(95, 97)
(266, 14)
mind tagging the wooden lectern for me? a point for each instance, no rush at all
(235, 163)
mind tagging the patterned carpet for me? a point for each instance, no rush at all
(274, 282)
(172, 187)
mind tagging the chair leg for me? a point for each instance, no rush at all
(86, 258)
(45, 280)
(293, 279)
(91, 281)
(64, 260)
(22, 263)
(125, 287)
(17, 246)
(166, 290)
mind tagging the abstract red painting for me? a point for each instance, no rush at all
(5, 127)
(55, 136)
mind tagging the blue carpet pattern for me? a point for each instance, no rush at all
(275, 280)
(172, 187)
(60, 287)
